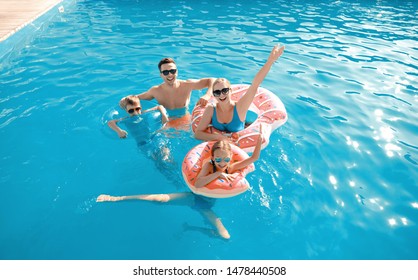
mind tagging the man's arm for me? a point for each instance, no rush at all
(200, 84)
(147, 95)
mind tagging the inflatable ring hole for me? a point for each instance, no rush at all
(250, 118)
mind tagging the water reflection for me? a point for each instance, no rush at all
(402, 221)
(387, 134)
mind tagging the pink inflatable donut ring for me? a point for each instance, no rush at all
(269, 109)
(218, 188)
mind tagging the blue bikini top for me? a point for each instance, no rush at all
(234, 125)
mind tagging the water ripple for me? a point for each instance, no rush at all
(313, 102)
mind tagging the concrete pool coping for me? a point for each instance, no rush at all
(16, 14)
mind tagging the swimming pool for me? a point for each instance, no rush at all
(338, 181)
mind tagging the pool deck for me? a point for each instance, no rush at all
(16, 14)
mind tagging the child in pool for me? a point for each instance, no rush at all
(220, 166)
(221, 152)
(202, 204)
(132, 106)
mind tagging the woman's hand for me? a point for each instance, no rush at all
(203, 101)
(276, 52)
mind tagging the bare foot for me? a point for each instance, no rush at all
(222, 230)
(106, 197)
(224, 233)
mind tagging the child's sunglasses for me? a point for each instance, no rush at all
(131, 111)
(219, 159)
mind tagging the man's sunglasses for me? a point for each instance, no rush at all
(166, 72)
(131, 111)
(218, 92)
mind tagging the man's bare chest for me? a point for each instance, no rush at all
(173, 99)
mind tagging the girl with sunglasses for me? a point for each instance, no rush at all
(227, 115)
(132, 106)
(221, 166)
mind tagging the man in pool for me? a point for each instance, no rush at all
(174, 94)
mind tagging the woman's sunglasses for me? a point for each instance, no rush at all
(219, 159)
(166, 72)
(218, 92)
(131, 111)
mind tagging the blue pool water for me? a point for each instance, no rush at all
(338, 181)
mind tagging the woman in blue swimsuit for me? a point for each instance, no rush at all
(227, 115)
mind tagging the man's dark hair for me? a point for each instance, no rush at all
(165, 61)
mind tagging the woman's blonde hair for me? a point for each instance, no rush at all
(220, 80)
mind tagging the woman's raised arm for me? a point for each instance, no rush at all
(245, 101)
